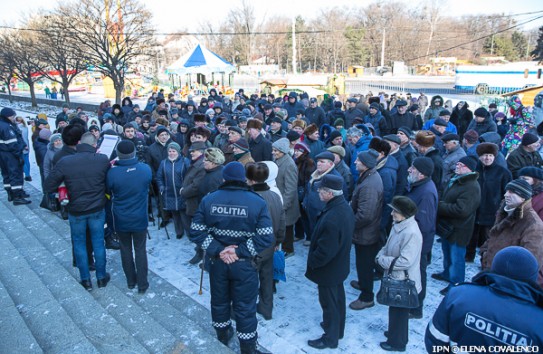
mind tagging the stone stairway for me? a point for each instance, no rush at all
(43, 308)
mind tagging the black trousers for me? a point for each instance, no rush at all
(398, 326)
(135, 272)
(365, 266)
(424, 261)
(332, 300)
(478, 238)
(288, 243)
(265, 291)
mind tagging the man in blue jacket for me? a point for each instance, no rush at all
(502, 308)
(423, 191)
(233, 225)
(128, 186)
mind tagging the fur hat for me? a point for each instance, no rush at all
(311, 128)
(425, 138)
(517, 263)
(234, 171)
(254, 123)
(487, 148)
(531, 171)
(481, 112)
(126, 150)
(424, 165)
(403, 205)
(202, 131)
(214, 155)
(282, 145)
(299, 123)
(336, 149)
(520, 187)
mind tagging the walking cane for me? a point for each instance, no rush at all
(202, 274)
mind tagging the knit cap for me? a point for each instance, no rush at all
(520, 187)
(282, 145)
(126, 150)
(517, 263)
(234, 171)
(45, 134)
(368, 158)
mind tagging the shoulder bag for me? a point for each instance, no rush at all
(398, 293)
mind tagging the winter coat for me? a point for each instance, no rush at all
(450, 128)
(458, 206)
(244, 159)
(367, 204)
(63, 152)
(312, 203)
(292, 109)
(261, 149)
(378, 121)
(328, 259)
(488, 125)
(212, 180)
(470, 306)
(40, 148)
(461, 118)
(156, 153)
(433, 111)
(345, 172)
(233, 215)
(537, 202)
(522, 228)
(316, 116)
(275, 207)
(169, 179)
(404, 242)
(449, 162)
(398, 120)
(316, 146)
(350, 115)
(437, 175)
(191, 185)
(401, 176)
(492, 180)
(388, 170)
(287, 183)
(520, 158)
(48, 159)
(424, 194)
(324, 133)
(410, 153)
(128, 186)
(11, 138)
(361, 145)
(84, 174)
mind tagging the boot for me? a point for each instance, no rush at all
(225, 334)
(111, 243)
(18, 198)
(198, 256)
(10, 195)
(248, 348)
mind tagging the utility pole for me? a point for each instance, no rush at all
(294, 46)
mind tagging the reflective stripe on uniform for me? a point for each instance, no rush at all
(437, 334)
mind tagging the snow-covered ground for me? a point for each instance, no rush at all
(297, 312)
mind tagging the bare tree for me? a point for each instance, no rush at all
(26, 59)
(7, 67)
(113, 36)
(62, 56)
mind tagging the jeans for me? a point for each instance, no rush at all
(454, 262)
(134, 264)
(26, 167)
(78, 227)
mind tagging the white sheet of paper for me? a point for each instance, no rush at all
(108, 144)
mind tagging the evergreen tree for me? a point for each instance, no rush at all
(537, 53)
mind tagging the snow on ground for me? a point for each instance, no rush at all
(297, 312)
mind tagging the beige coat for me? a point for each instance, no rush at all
(405, 242)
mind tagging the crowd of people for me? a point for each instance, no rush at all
(245, 176)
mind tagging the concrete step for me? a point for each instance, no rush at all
(15, 336)
(186, 322)
(51, 326)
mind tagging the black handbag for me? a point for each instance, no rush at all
(398, 293)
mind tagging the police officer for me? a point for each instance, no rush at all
(469, 315)
(233, 225)
(11, 157)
